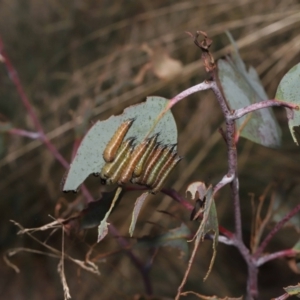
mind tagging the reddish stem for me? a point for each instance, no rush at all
(283, 253)
(191, 90)
(174, 195)
(37, 124)
(21, 132)
(15, 79)
(259, 105)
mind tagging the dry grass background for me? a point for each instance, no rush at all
(78, 58)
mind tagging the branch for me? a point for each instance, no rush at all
(194, 89)
(231, 176)
(33, 116)
(13, 75)
(177, 197)
(21, 132)
(225, 180)
(259, 105)
(283, 253)
(276, 228)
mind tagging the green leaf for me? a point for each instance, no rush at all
(174, 238)
(88, 159)
(241, 88)
(209, 221)
(293, 290)
(289, 91)
(136, 210)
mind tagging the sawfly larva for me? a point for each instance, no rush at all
(141, 163)
(151, 163)
(115, 142)
(109, 168)
(163, 175)
(134, 159)
(114, 178)
(166, 153)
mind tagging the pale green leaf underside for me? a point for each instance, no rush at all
(89, 160)
(241, 88)
(208, 223)
(289, 91)
(293, 290)
(136, 210)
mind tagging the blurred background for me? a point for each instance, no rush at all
(82, 61)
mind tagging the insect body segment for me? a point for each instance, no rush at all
(157, 166)
(153, 158)
(166, 171)
(120, 167)
(149, 163)
(113, 145)
(134, 159)
(140, 165)
(109, 168)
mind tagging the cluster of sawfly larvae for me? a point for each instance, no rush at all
(148, 163)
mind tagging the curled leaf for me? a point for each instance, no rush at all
(209, 221)
(136, 210)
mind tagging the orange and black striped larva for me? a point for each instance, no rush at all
(113, 145)
(140, 165)
(134, 159)
(109, 168)
(151, 163)
(166, 153)
(157, 186)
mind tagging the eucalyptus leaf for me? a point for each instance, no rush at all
(241, 88)
(209, 221)
(293, 290)
(89, 160)
(289, 91)
(136, 210)
(174, 238)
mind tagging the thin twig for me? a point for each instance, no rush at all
(259, 105)
(61, 269)
(275, 229)
(191, 90)
(21, 132)
(187, 271)
(283, 253)
(177, 197)
(33, 116)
